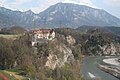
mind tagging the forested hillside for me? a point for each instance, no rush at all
(54, 60)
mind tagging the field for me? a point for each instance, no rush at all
(10, 75)
(9, 36)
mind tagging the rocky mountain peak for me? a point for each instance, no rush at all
(59, 15)
(29, 12)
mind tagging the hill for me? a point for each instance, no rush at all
(112, 29)
(13, 30)
(94, 41)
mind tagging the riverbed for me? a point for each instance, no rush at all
(90, 70)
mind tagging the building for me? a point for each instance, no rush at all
(41, 35)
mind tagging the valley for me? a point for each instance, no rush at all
(66, 41)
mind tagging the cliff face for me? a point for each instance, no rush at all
(101, 43)
(93, 42)
(105, 50)
(70, 40)
(110, 49)
(59, 55)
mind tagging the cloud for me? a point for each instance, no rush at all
(1, 2)
(86, 1)
(112, 2)
(20, 2)
(44, 5)
(40, 5)
(21, 5)
(112, 6)
(89, 3)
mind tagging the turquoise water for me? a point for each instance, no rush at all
(90, 65)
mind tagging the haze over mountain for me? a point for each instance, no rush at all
(59, 15)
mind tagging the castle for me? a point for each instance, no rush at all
(42, 34)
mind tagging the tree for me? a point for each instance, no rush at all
(6, 54)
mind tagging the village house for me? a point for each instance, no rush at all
(42, 35)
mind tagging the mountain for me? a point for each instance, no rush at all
(59, 15)
(10, 18)
(74, 15)
(5, 20)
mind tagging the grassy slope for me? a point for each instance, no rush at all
(7, 75)
(12, 75)
(15, 74)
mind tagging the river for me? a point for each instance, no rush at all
(90, 69)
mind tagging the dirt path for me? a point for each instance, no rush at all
(4, 77)
(18, 77)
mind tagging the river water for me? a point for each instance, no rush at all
(90, 69)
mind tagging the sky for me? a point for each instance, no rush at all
(111, 6)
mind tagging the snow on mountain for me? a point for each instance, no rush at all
(80, 3)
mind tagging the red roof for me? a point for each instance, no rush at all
(42, 31)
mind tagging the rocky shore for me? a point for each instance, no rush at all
(111, 67)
